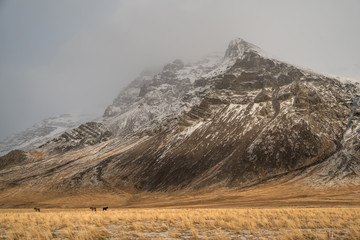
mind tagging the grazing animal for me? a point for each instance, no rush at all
(37, 209)
(93, 209)
(105, 208)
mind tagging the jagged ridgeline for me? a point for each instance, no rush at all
(42, 132)
(229, 121)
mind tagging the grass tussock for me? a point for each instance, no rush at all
(196, 223)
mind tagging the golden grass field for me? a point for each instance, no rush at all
(269, 211)
(268, 195)
(185, 223)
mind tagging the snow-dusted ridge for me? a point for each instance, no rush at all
(238, 47)
(42, 132)
(166, 95)
(171, 92)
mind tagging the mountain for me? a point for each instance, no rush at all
(148, 101)
(41, 132)
(232, 122)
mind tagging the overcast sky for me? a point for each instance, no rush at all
(74, 56)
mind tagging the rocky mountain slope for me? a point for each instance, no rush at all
(148, 100)
(41, 132)
(235, 121)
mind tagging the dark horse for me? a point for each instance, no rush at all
(37, 209)
(105, 208)
(93, 209)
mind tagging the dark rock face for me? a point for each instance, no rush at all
(236, 125)
(15, 157)
(86, 134)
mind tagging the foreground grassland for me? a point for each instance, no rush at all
(195, 223)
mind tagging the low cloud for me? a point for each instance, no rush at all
(66, 56)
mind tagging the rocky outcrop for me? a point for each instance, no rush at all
(90, 133)
(13, 158)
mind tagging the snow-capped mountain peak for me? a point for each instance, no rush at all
(238, 47)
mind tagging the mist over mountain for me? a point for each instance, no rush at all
(74, 57)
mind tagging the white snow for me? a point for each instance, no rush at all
(42, 132)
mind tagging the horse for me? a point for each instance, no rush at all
(37, 209)
(93, 209)
(105, 208)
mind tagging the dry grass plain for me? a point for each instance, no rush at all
(269, 195)
(269, 211)
(194, 223)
